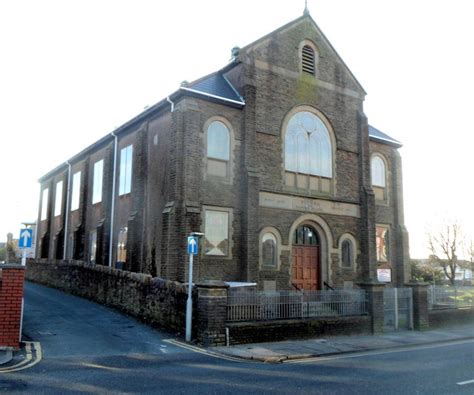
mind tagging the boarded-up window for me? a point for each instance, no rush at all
(347, 253)
(92, 246)
(382, 240)
(269, 250)
(122, 245)
(216, 241)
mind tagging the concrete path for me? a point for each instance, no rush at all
(300, 349)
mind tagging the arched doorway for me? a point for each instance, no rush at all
(306, 259)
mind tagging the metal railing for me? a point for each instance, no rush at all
(442, 297)
(264, 305)
(398, 308)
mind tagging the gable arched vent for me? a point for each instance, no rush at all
(308, 60)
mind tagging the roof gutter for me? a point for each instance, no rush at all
(171, 102)
(66, 214)
(112, 203)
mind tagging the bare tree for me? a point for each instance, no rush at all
(470, 252)
(444, 246)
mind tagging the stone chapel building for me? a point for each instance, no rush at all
(271, 157)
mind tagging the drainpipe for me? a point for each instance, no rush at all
(66, 214)
(112, 206)
(170, 102)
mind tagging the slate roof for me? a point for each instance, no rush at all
(215, 86)
(381, 137)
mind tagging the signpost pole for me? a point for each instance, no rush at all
(189, 304)
(23, 258)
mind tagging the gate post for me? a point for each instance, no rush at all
(375, 299)
(420, 305)
(211, 314)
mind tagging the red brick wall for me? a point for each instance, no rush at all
(11, 295)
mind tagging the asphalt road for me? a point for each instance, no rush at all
(88, 348)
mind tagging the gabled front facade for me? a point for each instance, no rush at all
(271, 157)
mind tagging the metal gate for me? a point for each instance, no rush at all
(398, 308)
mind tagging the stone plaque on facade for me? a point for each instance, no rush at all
(309, 205)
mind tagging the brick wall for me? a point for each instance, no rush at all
(11, 296)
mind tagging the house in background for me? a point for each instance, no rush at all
(271, 157)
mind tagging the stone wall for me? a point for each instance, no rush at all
(11, 295)
(158, 302)
(264, 331)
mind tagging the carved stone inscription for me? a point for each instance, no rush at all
(287, 202)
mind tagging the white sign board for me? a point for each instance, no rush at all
(384, 275)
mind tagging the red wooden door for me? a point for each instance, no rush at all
(305, 267)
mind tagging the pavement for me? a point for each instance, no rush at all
(276, 352)
(6, 355)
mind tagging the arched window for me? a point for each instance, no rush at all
(269, 250)
(347, 253)
(308, 147)
(218, 141)
(305, 235)
(218, 149)
(308, 63)
(378, 172)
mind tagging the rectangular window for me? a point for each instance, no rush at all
(122, 245)
(125, 183)
(97, 181)
(216, 240)
(58, 202)
(76, 189)
(44, 204)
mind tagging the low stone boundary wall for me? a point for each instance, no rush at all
(12, 278)
(159, 302)
(444, 317)
(263, 331)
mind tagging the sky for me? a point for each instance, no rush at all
(72, 71)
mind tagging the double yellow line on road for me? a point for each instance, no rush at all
(33, 356)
